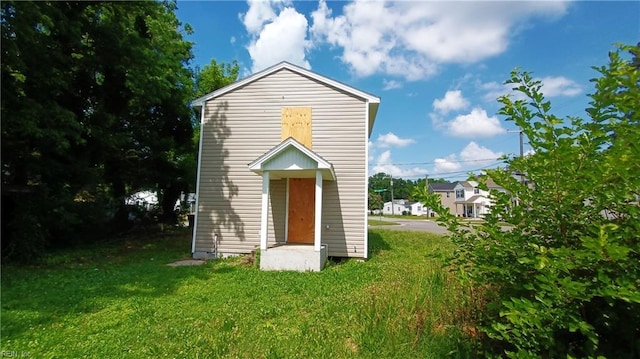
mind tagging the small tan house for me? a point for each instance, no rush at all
(446, 191)
(283, 167)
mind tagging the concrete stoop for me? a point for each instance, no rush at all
(293, 257)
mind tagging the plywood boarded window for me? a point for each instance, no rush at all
(296, 123)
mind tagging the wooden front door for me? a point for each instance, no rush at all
(302, 204)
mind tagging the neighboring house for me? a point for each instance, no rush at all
(143, 199)
(522, 177)
(283, 167)
(472, 201)
(447, 194)
(400, 206)
(187, 202)
(419, 209)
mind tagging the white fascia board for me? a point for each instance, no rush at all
(198, 174)
(285, 65)
(256, 166)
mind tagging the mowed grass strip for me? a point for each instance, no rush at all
(122, 300)
(377, 222)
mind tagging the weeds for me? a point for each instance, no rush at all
(122, 300)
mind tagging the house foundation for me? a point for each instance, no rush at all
(293, 257)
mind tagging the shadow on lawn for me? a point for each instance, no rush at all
(34, 296)
(377, 243)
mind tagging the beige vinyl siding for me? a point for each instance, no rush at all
(245, 123)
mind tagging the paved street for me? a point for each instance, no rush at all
(422, 225)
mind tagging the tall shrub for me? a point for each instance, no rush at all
(564, 276)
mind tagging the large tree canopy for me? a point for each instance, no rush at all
(94, 106)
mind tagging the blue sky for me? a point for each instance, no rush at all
(437, 66)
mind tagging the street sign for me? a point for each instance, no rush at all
(378, 190)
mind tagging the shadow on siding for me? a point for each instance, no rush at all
(334, 236)
(217, 187)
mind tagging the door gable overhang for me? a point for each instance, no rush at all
(291, 159)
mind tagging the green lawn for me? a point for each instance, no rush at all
(376, 222)
(399, 216)
(122, 301)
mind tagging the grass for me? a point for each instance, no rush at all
(400, 216)
(376, 222)
(121, 300)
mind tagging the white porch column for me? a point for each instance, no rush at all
(265, 210)
(317, 239)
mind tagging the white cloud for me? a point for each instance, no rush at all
(260, 12)
(478, 156)
(452, 101)
(370, 147)
(446, 165)
(559, 86)
(493, 90)
(384, 164)
(391, 140)
(276, 34)
(472, 156)
(552, 86)
(391, 85)
(475, 124)
(412, 38)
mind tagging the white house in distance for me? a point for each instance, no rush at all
(418, 209)
(399, 207)
(144, 199)
(404, 207)
(283, 168)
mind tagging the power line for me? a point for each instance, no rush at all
(445, 175)
(431, 163)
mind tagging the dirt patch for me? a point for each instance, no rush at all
(186, 262)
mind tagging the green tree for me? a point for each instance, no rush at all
(381, 182)
(215, 76)
(375, 201)
(564, 279)
(94, 106)
(212, 77)
(402, 188)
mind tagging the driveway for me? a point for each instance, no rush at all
(421, 225)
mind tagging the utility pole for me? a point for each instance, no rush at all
(426, 185)
(521, 144)
(392, 204)
(521, 150)
(521, 154)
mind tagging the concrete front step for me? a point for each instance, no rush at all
(293, 257)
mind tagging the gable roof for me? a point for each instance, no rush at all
(442, 186)
(471, 199)
(301, 160)
(468, 184)
(372, 101)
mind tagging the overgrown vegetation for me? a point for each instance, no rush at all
(95, 107)
(564, 281)
(122, 300)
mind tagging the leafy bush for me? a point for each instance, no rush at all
(564, 278)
